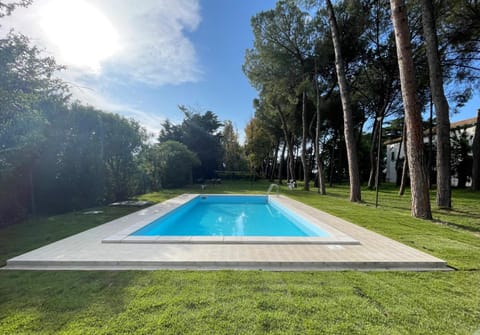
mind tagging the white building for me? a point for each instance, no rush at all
(393, 146)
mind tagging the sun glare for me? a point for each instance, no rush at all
(84, 36)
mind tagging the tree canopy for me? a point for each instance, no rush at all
(201, 134)
(292, 65)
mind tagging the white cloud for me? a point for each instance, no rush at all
(153, 47)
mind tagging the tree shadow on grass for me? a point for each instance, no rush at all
(58, 301)
(460, 213)
(471, 229)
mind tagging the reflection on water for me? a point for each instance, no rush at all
(240, 224)
(227, 219)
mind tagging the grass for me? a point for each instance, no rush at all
(458, 243)
(34, 233)
(247, 302)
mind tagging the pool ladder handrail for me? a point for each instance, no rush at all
(271, 187)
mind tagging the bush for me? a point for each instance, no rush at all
(176, 164)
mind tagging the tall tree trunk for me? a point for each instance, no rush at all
(380, 114)
(291, 159)
(373, 166)
(320, 174)
(379, 152)
(441, 106)
(280, 164)
(289, 143)
(274, 163)
(360, 132)
(296, 166)
(353, 170)
(332, 159)
(416, 161)
(265, 167)
(430, 145)
(403, 183)
(476, 156)
(303, 155)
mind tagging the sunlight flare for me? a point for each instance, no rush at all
(83, 34)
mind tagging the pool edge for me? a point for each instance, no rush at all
(164, 208)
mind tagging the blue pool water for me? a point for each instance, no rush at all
(231, 216)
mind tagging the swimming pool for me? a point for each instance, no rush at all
(228, 219)
(219, 215)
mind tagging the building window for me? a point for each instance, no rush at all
(393, 156)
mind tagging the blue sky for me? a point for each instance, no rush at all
(220, 42)
(143, 58)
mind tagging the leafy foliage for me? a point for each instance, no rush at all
(26, 81)
(233, 155)
(7, 7)
(56, 156)
(88, 159)
(461, 158)
(258, 144)
(200, 133)
(176, 164)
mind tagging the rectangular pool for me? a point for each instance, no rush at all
(217, 215)
(228, 219)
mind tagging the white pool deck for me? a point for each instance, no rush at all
(108, 247)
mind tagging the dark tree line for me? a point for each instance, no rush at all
(56, 155)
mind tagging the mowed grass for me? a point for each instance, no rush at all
(450, 236)
(255, 302)
(34, 233)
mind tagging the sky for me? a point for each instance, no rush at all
(142, 59)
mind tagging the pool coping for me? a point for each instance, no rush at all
(85, 251)
(159, 210)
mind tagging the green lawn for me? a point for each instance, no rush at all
(228, 302)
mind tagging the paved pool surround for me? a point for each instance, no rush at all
(111, 247)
